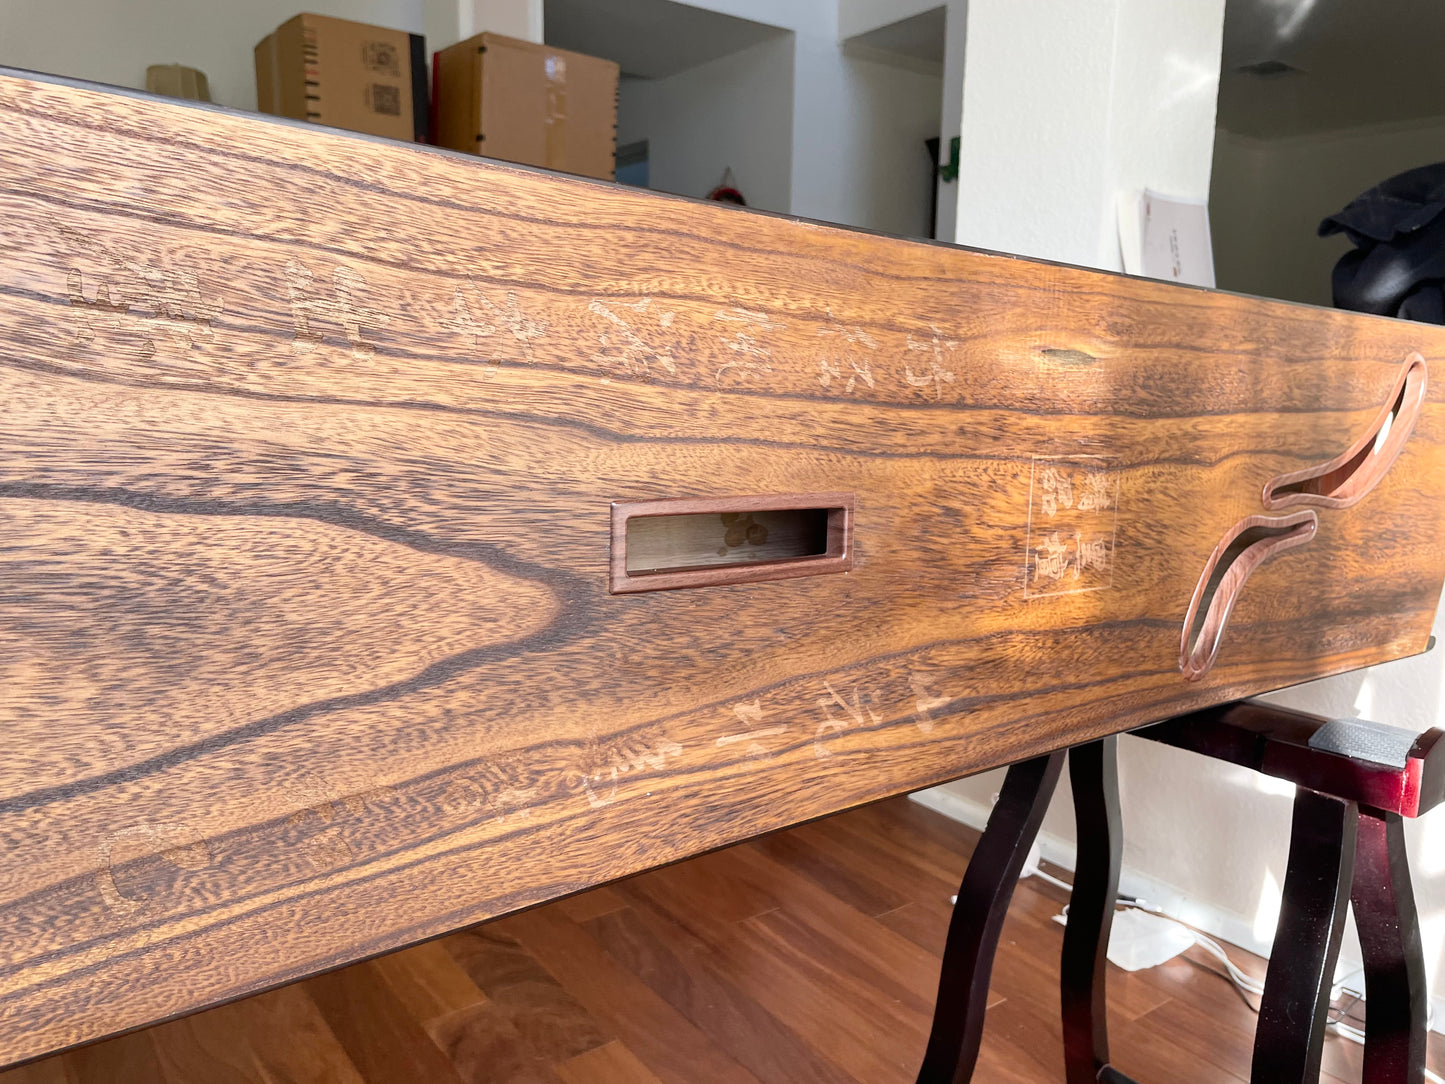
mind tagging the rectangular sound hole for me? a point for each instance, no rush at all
(718, 539)
(659, 545)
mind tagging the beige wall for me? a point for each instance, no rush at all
(867, 122)
(1269, 196)
(109, 42)
(734, 112)
(805, 128)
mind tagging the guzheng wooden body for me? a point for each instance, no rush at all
(321, 634)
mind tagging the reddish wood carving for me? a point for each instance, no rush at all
(1248, 544)
(1350, 476)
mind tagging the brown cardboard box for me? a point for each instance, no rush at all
(529, 103)
(178, 81)
(345, 74)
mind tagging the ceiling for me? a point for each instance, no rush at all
(650, 39)
(919, 37)
(1357, 62)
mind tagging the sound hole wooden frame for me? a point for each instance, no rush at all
(1349, 477)
(835, 555)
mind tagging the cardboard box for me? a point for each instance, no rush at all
(178, 81)
(345, 74)
(529, 103)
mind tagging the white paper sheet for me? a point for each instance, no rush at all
(1165, 237)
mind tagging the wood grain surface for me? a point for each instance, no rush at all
(310, 441)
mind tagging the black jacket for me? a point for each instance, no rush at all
(1397, 267)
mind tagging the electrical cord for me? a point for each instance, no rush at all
(1244, 983)
(1342, 1013)
(1041, 875)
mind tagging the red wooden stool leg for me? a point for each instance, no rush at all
(1395, 998)
(1290, 1037)
(973, 932)
(1094, 776)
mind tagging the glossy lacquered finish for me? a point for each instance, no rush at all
(1084, 965)
(978, 915)
(1347, 845)
(1294, 1010)
(1383, 903)
(1276, 742)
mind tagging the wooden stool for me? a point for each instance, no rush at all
(1357, 781)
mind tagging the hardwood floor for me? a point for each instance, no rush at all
(807, 957)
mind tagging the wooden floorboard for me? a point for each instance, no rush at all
(808, 957)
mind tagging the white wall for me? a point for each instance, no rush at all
(859, 154)
(805, 128)
(111, 42)
(1269, 195)
(514, 18)
(735, 112)
(801, 16)
(857, 17)
(1066, 102)
(891, 111)
(860, 16)
(839, 172)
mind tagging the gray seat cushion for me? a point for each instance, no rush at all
(1365, 740)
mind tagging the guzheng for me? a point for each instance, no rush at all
(393, 539)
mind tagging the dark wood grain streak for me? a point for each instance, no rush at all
(308, 450)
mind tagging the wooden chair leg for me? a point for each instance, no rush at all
(973, 932)
(1094, 775)
(1389, 926)
(1290, 1036)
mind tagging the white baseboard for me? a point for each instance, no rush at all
(1221, 924)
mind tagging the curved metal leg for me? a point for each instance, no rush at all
(1395, 997)
(1094, 775)
(1290, 1037)
(973, 932)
